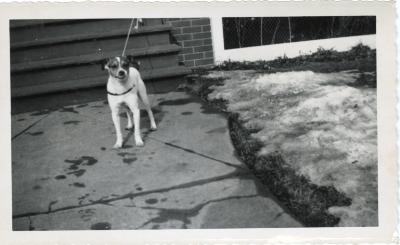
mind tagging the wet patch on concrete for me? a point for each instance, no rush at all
(69, 109)
(164, 199)
(151, 201)
(138, 187)
(101, 226)
(183, 164)
(103, 148)
(72, 122)
(183, 215)
(87, 214)
(220, 130)
(35, 133)
(124, 154)
(78, 184)
(59, 177)
(185, 113)
(84, 161)
(37, 187)
(179, 101)
(77, 173)
(82, 198)
(129, 160)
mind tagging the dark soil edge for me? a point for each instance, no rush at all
(308, 202)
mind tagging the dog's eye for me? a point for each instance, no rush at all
(113, 66)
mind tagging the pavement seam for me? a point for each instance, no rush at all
(29, 127)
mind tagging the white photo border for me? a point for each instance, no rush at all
(386, 93)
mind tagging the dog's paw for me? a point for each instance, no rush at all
(139, 142)
(117, 146)
(153, 127)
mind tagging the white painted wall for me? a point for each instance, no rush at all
(270, 52)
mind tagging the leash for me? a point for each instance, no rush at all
(123, 54)
(129, 33)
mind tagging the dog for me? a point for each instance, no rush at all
(124, 89)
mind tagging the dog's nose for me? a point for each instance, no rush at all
(121, 73)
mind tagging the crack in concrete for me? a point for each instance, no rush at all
(29, 127)
(184, 215)
(106, 201)
(50, 205)
(31, 227)
(278, 215)
(198, 153)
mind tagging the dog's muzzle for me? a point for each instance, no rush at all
(120, 75)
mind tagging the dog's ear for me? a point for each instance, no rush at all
(133, 62)
(104, 64)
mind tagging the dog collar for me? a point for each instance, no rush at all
(127, 91)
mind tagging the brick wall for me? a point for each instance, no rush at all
(194, 35)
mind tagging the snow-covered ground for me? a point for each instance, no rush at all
(321, 123)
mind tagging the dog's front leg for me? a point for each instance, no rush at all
(136, 121)
(117, 123)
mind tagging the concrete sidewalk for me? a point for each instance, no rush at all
(67, 177)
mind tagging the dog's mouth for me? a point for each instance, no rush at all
(120, 77)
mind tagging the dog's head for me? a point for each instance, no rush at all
(118, 67)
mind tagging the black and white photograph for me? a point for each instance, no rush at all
(197, 122)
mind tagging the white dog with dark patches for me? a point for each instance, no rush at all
(124, 89)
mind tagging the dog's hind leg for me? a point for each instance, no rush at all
(129, 115)
(145, 100)
(136, 120)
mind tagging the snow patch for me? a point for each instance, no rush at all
(324, 127)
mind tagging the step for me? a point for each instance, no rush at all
(83, 31)
(89, 47)
(83, 70)
(22, 23)
(91, 58)
(14, 24)
(91, 82)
